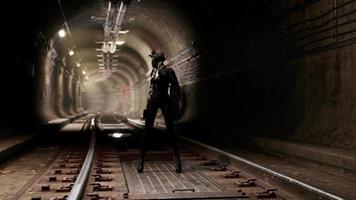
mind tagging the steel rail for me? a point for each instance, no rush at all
(310, 188)
(79, 185)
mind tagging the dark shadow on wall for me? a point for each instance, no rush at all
(242, 86)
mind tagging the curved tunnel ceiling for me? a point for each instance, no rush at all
(152, 25)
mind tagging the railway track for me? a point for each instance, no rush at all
(49, 171)
(97, 170)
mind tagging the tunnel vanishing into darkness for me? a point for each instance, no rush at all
(250, 71)
(269, 68)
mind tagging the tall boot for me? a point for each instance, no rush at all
(178, 161)
(141, 160)
(176, 154)
(140, 163)
(178, 165)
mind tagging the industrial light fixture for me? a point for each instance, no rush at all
(61, 33)
(112, 48)
(106, 47)
(124, 32)
(120, 42)
(71, 52)
(66, 30)
(84, 72)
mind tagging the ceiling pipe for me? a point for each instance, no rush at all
(118, 24)
(108, 25)
(119, 20)
(111, 34)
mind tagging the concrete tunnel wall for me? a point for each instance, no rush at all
(290, 76)
(57, 98)
(281, 69)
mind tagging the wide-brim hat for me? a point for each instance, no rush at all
(158, 56)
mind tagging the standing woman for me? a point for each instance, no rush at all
(164, 94)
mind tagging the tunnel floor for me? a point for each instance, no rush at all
(206, 175)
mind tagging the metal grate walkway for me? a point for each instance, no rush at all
(160, 177)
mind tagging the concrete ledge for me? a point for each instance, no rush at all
(72, 127)
(136, 122)
(62, 122)
(9, 147)
(332, 156)
(59, 123)
(141, 124)
(74, 117)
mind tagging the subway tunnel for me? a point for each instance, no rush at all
(267, 82)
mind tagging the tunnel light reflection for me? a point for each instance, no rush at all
(86, 78)
(78, 64)
(84, 72)
(117, 135)
(92, 122)
(71, 52)
(61, 33)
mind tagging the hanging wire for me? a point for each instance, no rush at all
(79, 59)
(67, 28)
(65, 20)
